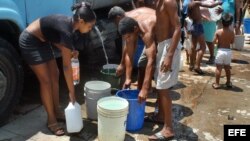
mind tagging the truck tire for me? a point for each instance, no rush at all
(11, 80)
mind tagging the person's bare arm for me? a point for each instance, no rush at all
(245, 5)
(129, 52)
(67, 69)
(121, 66)
(172, 9)
(150, 51)
(238, 16)
(208, 5)
(215, 40)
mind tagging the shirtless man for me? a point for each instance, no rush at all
(142, 3)
(197, 32)
(145, 19)
(167, 32)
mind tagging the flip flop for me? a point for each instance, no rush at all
(215, 86)
(199, 71)
(153, 119)
(56, 129)
(159, 137)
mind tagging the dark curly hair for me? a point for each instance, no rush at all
(227, 19)
(83, 11)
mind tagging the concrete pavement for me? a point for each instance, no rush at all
(199, 111)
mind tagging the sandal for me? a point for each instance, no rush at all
(199, 71)
(215, 86)
(56, 129)
(159, 137)
(229, 85)
(153, 118)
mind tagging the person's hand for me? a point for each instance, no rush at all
(142, 96)
(219, 11)
(119, 70)
(220, 2)
(166, 65)
(205, 18)
(72, 98)
(75, 54)
(237, 28)
(127, 84)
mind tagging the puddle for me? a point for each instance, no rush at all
(179, 112)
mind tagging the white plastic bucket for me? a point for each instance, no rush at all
(93, 91)
(73, 116)
(238, 42)
(112, 118)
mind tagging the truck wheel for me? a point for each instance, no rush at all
(11, 80)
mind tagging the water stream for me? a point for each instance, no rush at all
(100, 36)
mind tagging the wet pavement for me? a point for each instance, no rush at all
(199, 111)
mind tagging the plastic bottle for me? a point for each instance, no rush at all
(73, 117)
(76, 70)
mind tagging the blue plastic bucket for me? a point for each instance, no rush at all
(138, 52)
(135, 119)
(247, 26)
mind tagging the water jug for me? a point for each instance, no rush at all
(73, 116)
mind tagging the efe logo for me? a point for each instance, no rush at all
(236, 132)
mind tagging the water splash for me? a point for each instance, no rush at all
(100, 36)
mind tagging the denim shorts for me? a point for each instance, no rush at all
(34, 51)
(197, 29)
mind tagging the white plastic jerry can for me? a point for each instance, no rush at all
(73, 116)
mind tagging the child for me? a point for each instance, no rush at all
(187, 42)
(197, 32)
(223, 37)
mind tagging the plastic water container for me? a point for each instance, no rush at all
(138, 52)
(246, 26)
(112, 118)
(75, 64)
(109, 75)
(93, 91)
(136, 114)
(73, 117)
(238, 42)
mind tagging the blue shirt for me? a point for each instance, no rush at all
(228, 7)
(185, 6)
